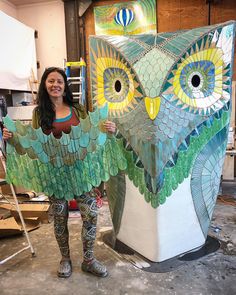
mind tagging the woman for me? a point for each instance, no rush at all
(56, 113)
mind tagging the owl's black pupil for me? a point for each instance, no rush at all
(195, 81)
(117, 86)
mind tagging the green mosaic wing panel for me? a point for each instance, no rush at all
(68, 180)
(67, 166)
(83, 138)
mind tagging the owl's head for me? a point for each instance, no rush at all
(161, 88)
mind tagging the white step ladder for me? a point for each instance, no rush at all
(79, 80)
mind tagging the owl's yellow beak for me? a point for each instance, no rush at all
(152, 106)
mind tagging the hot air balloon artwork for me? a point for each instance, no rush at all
(124, 18)
(129, 18)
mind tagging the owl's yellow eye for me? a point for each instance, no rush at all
(114, 81)
(199, 80)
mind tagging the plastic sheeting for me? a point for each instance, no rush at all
(17, 54)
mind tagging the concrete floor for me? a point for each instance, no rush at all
(212, 274)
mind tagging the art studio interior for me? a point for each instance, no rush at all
(117, 147)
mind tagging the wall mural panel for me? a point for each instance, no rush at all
(170, 96)
(134, 17)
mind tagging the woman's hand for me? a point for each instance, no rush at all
(6, 134)
(110, 126)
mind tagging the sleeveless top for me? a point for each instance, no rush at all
(77, 108)
(63, 124)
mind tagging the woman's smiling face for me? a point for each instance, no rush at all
(55, 85)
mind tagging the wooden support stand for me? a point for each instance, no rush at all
(228, 168)
(229, 164)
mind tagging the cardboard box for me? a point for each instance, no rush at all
(11, 227)
(4, 213)
(29, 211)
(30, 223)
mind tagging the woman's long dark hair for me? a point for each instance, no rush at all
(45, 106)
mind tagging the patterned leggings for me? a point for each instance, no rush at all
(88, 210)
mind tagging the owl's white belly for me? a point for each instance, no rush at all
(160, 234)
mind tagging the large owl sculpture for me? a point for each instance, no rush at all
(170, 96)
